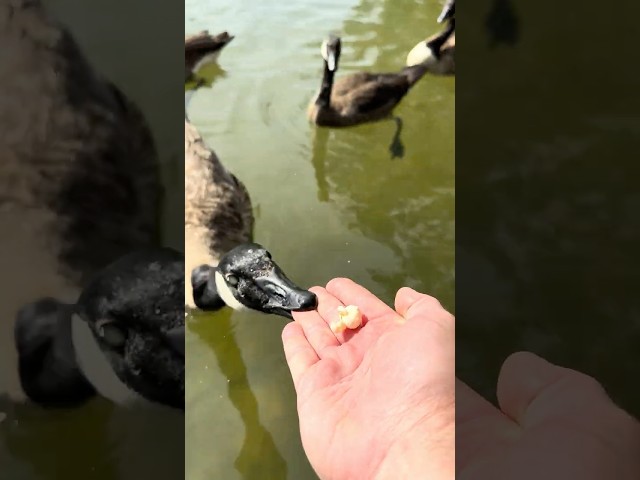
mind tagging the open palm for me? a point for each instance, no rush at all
(375, 394)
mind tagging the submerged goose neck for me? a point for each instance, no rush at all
(49, 366)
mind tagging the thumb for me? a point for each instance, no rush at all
(532, 390)
(415, 305)
(410, 303)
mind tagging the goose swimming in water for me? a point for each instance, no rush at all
(225, 268)
(360, 97)
(201, 49)
(437, 52)
(79, 176)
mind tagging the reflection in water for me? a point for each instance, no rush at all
(320, 142)
(206, 77)
(118, 443)
(35, 437)
(397, 147)
(502, 24)
(259, 453)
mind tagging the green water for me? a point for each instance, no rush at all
(327, 203)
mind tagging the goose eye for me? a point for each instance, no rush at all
(111, 333)
(232, 280)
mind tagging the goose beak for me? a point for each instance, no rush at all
(175, 339)
(284, 296)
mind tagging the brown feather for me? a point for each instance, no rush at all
(79, 173)
(218, 214)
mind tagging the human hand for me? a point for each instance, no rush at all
(376, 402)
(553, 423)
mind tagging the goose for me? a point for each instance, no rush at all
(79, 176)
(448, 11)
(438, 51)
(202, 48)
(225, 267)
(199, 50)
(123, 339)
(360, 97)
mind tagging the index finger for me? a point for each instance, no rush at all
(350, 293)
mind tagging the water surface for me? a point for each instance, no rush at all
(327, 203)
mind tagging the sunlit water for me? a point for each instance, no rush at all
(101, 441)
(327, 203)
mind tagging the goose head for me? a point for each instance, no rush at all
(330, 50)
(248, 278)
(448, 11)
(134, 309)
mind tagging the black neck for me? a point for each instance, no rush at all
(48, 369)
(205, 293)
(324, 96)
(436, 44)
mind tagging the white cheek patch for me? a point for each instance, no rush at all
(226, 294)
(331, 62)
(324, 50)
(421, 53)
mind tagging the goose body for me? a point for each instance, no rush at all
(224, 267)
(360, 97)
(202, 48)
(437, 52)
(79, 175)
(218, 213)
